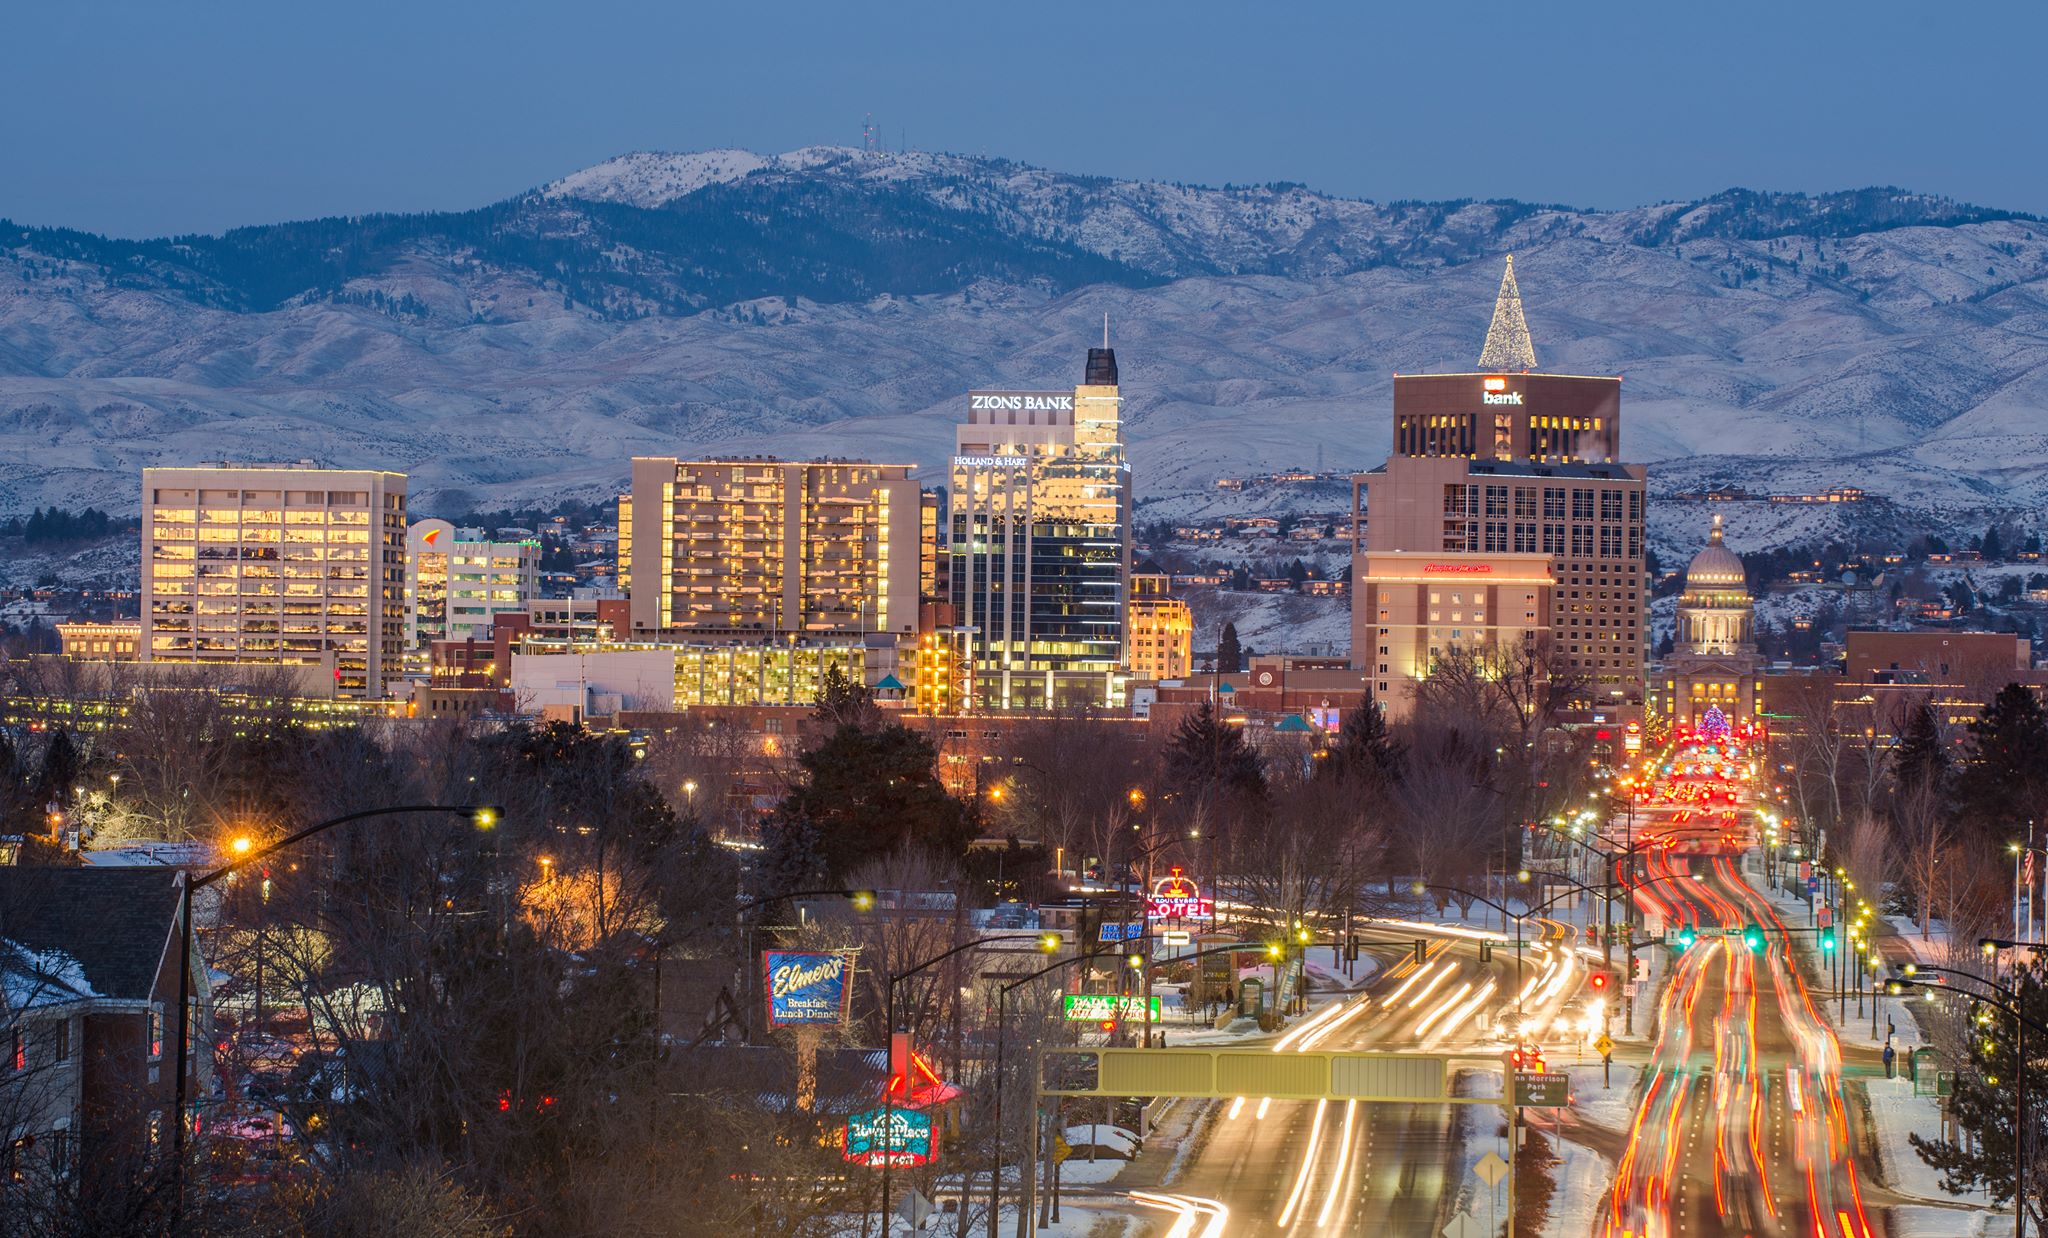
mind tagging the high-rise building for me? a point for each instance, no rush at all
(276, 564)
(753, 547)
(1505, 462)
(1161, 628)
(1040, 543)
(456, 580)
(1410, 606)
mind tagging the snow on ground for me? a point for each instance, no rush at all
(1920, 1221)
(1595, 1103)
(1894, 1113)
(1581, 1180)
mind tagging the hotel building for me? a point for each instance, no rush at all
(276, 565)
(758, 547)
(1507, 462)
(1039, 542)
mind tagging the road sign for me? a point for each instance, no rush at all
(1490, 1168)
(1632, 988)
(1731, 930)
(1061, 1149)
(1175, 937)
(1944, 1083)
(1546, 1091)
(1465, 1225)
(914, 1209)
(1825, 915)
(1604, 1045)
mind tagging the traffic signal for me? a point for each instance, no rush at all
(1599, 981)
(1686, 938)
(1827, 940)
(1486, 952)
(1422, 949)
(1753, 937)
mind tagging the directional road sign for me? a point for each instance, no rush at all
(1465, 1225)
(1546, 1091)
(1604, 1045)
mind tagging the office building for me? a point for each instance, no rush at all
(756, 548)
(1040, 545)
(1160, 627)
(456, 581)
(1509, 462)
(276, 565)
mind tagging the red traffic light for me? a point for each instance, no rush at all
(1599, 982)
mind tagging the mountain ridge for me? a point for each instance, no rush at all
(828, 298)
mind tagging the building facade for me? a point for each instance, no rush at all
(276, 565)
(747, 548)
(1040, 543)
(1160, 628)
(1507, 462)
(1413, 606)
(1714, 662)
(456, 581)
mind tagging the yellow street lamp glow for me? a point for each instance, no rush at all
(1137, 962)
(1990, 947)
(1911, 969)
(1274, 950)
(485, 818)
(242, 844)
(863, 900)
(1048, 942)
(1304, 936)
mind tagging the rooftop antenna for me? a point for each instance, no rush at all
(1105, 328)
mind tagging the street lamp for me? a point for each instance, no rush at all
(889, 1022)
(2020, 1022)
(1049, 943)
(481, 816)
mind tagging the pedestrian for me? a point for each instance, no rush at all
(1890, 1056)
(1229, 995)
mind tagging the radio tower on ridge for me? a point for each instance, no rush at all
(867, 133)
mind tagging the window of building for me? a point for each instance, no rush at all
(1582, 504)
(17, 1054)
(1553, 502)
(156, 1033)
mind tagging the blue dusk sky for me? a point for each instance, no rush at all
(146, 118)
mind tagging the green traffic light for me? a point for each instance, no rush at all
(1753, 938)
(1827, 940)
(1686, 939)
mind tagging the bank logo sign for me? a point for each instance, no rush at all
(1020, 401)
(806, 988)
(1495, 391)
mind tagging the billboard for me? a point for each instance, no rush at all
(889, 1137)
(807, 988)
(1102, 1007)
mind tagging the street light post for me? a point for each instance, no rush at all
(2020, 1023)
(482, 816)
(888, 1092)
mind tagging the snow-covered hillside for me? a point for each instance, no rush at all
(733, 302)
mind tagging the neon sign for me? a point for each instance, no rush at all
(1175, 897)
(889, 1137)
(807, 988)
(1102, 1007)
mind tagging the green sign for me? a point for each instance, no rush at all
(1547, 1091)
(1102, 1007)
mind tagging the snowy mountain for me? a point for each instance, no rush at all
(838, 301)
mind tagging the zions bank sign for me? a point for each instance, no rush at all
(1020, 402)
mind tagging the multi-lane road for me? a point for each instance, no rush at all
(1740, 1129)
(1304, 1167)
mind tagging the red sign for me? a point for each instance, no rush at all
(1457, 569)
(1175, 897)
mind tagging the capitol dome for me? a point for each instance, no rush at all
(1715, 566)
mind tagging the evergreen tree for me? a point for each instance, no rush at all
(1994, 546)
(60, 767)
(1920, 760)
(866, 791)
(1229, 653)
(1207, 755)
(1366, 749)
(2004, 778)
(1983, 1103)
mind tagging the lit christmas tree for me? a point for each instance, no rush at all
(1714, 725)
(1507, 340)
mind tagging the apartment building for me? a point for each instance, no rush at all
(756, 547)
